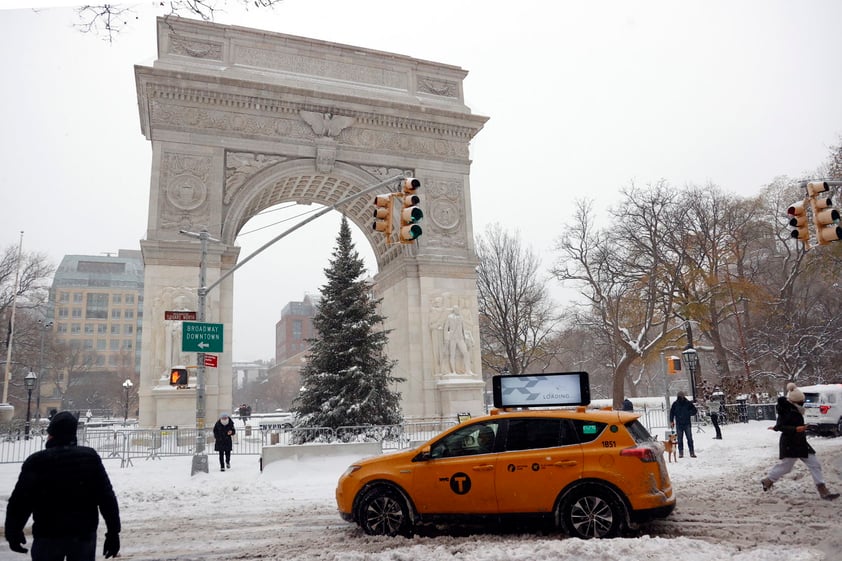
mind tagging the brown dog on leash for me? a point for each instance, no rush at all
(671, 447)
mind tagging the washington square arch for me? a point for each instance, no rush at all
(241, 120)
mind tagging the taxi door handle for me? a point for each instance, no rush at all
(565, 463)
(486, 467)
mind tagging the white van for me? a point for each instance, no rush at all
(823, 408)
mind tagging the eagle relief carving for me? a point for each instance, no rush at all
(326, 124)
(326, 127)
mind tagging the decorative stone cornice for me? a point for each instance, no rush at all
(163, 95)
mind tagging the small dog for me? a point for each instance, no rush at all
(671, 447)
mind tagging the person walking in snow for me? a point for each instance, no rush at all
(793, 443)
(223, 433)
(65, 488)
(680, 414)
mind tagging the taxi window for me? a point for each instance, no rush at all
(477, 438)
(530, 434)
(588, 430)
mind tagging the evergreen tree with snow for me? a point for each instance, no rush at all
(347, 378)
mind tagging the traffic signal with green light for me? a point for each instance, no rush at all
(411, 213)
(825, 217)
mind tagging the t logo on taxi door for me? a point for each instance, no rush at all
(460, 483)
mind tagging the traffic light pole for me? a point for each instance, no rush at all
(200, 458)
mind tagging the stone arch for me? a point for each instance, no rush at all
(241, 120)
(297, 181)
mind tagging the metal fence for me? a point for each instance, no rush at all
(128, 443)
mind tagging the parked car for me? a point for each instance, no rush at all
(591, 472)
(823, 408)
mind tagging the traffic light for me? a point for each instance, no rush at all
(178, 376)
(798, 221)
(411, 214)
(383, 215)
(825, 217)
(673, 365)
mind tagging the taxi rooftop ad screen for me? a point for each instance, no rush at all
(542, 390)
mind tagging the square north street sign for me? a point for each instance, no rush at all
(201, 337)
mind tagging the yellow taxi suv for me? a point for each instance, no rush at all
(593, 473)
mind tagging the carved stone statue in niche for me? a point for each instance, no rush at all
(459, 341)
(167, 338)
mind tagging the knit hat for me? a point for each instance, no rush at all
(795, 395)
(62, 428)
(682, 394)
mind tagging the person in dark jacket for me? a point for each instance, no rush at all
(793, 443)
(65, 488)
(223, 432)
(628, 405)
(680, 413)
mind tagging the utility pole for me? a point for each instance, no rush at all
(200, 458)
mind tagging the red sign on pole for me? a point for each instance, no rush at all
(211, 360)
(180, 316)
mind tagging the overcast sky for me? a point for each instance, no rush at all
(583, 98)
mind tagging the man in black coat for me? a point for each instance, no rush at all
(680, 413)
(65, 488)
(793, 443)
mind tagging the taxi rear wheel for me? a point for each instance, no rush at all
(383, 511)
(591, 512)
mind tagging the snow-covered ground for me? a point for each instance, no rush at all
(288, 512)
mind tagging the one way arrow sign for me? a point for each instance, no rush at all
(201, 337)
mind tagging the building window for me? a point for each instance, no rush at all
(128, 314)
(115, 329)
(115, 314)
(129, 298)
(64, 297)
(100, 344)
(97, 306)
(114, 345)
(75, 328)
(100, 360)
(88, 344)
(89, 329)
(102, 329)
(77, 298)
(61, 328)
(297, 328)
(127, 344)
(116, 298)
(128, 329)
(76, 313)
(63, 313)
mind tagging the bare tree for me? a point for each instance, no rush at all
(109, 20)
(626, 275)
(517, 316)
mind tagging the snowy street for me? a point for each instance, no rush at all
(288, 512)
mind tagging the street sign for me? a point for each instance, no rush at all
(199, 337)
(211, 360)
(180, 316)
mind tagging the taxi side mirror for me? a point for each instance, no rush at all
(423, 455)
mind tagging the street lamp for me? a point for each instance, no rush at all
(29, 381)
(691, 359)
(127, 385)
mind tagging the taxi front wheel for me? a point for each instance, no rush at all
(591, 512)
(383, 511)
